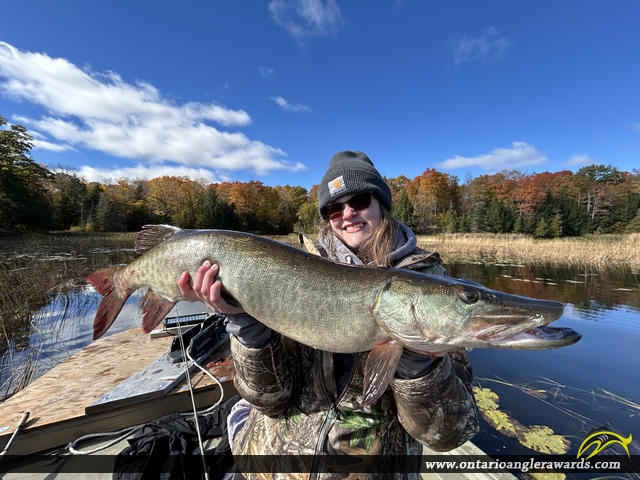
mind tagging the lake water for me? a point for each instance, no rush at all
(592, 383)
(570, 390)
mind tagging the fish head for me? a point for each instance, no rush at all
(434, 314)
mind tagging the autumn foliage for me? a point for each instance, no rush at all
(595, 199)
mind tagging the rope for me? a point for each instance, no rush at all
(193, 402)
(125, 433)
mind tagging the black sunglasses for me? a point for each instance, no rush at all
(358, 202)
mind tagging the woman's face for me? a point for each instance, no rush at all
(354, 227)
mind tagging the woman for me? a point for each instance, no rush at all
(303, 401)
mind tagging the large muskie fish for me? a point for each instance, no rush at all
(327, 305)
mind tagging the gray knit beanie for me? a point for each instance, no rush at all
(352, 172)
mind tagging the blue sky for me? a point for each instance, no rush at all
(269, 90)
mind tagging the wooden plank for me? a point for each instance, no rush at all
(154, 381)
(57, 400)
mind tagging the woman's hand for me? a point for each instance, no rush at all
(207, 288)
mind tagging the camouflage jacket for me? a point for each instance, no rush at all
(299, 409)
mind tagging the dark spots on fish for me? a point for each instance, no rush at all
(469, 295)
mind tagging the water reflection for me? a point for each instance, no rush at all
(63, 328)
(587, 290)
(575, 388)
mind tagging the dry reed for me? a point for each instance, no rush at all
(36, 270)
(601, 252)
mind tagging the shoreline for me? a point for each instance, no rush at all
(602, 252)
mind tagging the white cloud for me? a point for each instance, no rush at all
(486, 47)
(307, 18)
(105, 175)
(636, 127)
(266, 72)
(102, 112)
(288, 107)
(580, 160)
(521, 154)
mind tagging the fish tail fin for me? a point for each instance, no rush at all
(379, 370)
(111, 302)
(154, 309)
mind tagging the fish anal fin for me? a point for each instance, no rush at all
(379, 370)
(154, 309)
(111, 302)
(152, 235)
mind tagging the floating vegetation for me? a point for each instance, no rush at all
(559, 396)
(543, 439)
(539, 438)
(632, 407)
(545, 476)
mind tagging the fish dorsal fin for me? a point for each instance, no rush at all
(152, 235)
(311, 246)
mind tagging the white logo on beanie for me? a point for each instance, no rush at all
(336, 186)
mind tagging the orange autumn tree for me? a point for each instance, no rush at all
(432, 194)
(176, 200)
(256, 204)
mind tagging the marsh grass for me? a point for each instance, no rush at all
(600, 252)
(39, 270)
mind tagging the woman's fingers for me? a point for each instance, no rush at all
(185, 287)
(207, 288)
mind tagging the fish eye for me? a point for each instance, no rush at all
(469, 295)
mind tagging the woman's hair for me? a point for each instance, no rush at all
(375, 249)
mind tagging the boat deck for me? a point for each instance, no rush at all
(57, 403)
(58, 400)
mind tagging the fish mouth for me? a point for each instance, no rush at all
(542, 337)
(524, 330)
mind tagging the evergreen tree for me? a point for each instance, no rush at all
(518, 225)
(464, 224)
(542, 229)
(217, 213)
(105, 217)
(499, 217)
(23, 200)
(403, 210)
(555, 226)
(68, 203)
(575, 220)
(477, 216)
(634, 224)
(622, 213)
(450, 221)
(139, 214)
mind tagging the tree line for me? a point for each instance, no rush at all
(595, 199)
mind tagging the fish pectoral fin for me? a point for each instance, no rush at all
(380, 368)
(154, 309)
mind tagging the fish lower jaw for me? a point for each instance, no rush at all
(537, 338)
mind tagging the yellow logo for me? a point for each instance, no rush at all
(602, 439)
